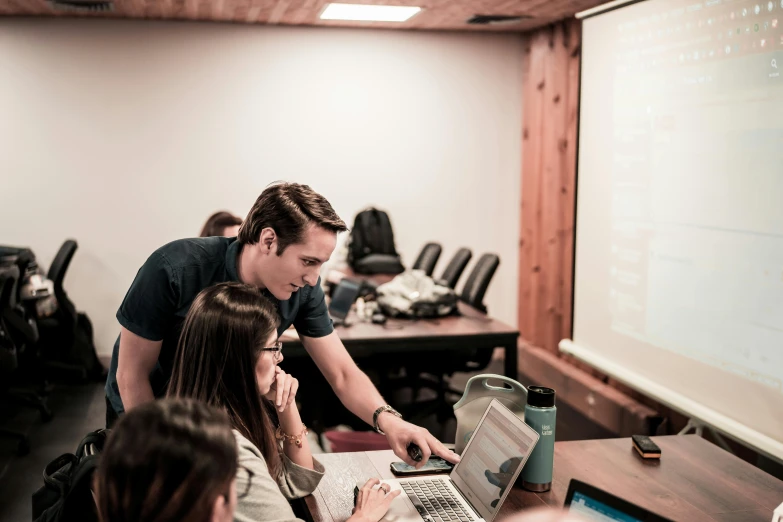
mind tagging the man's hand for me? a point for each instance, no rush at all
(400, 434)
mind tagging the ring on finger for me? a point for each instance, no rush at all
(385, 487)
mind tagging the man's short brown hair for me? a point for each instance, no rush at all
(288, 209)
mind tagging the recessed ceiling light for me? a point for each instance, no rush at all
(369, 13)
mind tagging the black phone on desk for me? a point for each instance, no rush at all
(434, 465)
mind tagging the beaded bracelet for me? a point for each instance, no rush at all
(293, 439)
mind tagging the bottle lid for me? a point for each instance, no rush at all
(540, 397)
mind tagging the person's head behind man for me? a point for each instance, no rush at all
(290, 232)
(221, 224)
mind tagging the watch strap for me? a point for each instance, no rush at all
(380, 410)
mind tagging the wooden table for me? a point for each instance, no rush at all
(470, 330)
(694, 481)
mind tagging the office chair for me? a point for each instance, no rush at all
(22, 257)
(58, 331)
(8, 365)
(18, 336)
(454, 269)
(22, 329)
(472, 294)
(427, 258)
(478, 281)
(57, 273)
(8, 362)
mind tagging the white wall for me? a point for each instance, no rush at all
(126, 135)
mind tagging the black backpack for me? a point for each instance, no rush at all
(371, 244)
(66, 494)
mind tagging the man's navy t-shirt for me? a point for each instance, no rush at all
(166, 285)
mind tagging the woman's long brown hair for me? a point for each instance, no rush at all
(166, 461)
(216, 359)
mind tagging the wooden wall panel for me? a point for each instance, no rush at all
(550, 108)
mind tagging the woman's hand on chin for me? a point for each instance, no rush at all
(282, 393)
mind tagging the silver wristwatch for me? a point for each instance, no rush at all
(380, 410)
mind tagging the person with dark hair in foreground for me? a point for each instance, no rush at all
(290, 232)
(168, 461)
(221, 224)
(228, 357)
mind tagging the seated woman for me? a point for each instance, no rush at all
(172, 460)
(227, 357)
(221, 224)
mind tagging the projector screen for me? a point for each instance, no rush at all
(679, 228)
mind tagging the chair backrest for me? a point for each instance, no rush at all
(9, 279)
(456, 266)
(23, 332)
(427, 258)
(478, 281)
(57, 273)
(22, 257)
(8, 357)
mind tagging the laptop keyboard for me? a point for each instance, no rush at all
(437, 500)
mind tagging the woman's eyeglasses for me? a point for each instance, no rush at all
(277, 348)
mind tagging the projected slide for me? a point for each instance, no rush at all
(696, 245)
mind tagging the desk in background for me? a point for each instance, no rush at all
(694, 481)
(470, 330)
(373, 344)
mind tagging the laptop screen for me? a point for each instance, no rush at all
(493, 458)
(596, 504)
(342, 299)
(593, 509)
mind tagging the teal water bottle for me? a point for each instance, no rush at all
(540, 414)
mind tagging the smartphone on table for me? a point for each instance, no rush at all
(434, 465)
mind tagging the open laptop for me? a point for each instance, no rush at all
(595, 504)
(343, 297)
(478, 485)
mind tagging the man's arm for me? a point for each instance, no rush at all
(359, 395)
(137, 358)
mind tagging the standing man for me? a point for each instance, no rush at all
(290, 232)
